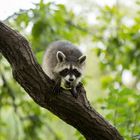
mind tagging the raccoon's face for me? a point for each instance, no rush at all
(70, 72)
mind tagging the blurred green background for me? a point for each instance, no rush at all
(110, 37)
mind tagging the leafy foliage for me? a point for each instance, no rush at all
(118, 50)
(116, 42)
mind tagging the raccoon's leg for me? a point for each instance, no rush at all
(79, 87)
(74, 92)
(57, 88)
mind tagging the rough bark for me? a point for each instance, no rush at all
(28, 73)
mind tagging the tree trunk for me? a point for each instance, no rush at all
(28, 73)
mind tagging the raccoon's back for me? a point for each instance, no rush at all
(71, 52)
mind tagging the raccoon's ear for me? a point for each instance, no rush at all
(60, 56)
(82, 59)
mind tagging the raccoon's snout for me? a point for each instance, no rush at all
(69, 82)
(71, 79)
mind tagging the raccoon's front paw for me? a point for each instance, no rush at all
(74, 92)
(56, 89)
(79, 87)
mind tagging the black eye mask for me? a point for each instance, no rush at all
(64, 72)
(76, 73)
(70, 72)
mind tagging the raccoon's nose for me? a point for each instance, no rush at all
(71, 79)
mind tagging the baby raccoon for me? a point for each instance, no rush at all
(64, 63)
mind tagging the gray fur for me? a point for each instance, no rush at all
(70, 57)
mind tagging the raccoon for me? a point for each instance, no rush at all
(64, 63)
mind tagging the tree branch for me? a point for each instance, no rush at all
(28, 73)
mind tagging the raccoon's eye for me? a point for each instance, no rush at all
(76, 73)
(64, 72)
